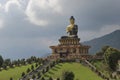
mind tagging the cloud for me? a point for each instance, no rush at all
(1, 20)
(11, 4)
(37, 11)
(0, 6)
(1, 23)
(32, 15)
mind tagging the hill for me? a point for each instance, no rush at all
(112, 39)
(81, 72)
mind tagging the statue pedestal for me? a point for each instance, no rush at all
(67, 40)
(69, 48)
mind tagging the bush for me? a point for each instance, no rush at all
(32, 67)
(47, 68)
(39, 75)
(11, 66)
(11, 78)
(43, 71)
(68, 75)
(33, 77)
(23, 74)
(28, 70)
(0, 69)
(36, 65)
(50, 78)
(42, 78)
(58, 78)
(4, 66)
(1, 60)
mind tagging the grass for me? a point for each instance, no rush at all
(81, 72)
(15, 73)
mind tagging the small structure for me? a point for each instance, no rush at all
(69, 47)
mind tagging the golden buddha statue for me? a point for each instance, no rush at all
(72, 29)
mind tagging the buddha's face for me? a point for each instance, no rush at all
(72, 21)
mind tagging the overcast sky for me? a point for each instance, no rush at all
(29, 27)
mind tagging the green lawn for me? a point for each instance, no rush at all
(81, 72)
(15, 73)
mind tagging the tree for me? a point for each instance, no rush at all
(57, 61)
(1, 60)
(39, 75)
(11, 65)
(51, 65)
(101, 53)
(18, 62)
(28, 70)
(11, 78)
(15, 62)
(33, 77)
(50, 78)
(54, 63)
(111, 57)
(4, 66)
(68, 75)
(23, 61)
(7, 62)
(43, 71)
(104, 48)
(32, 67)
(33, 58)
(39, 61)
(58, 78)
(42, 78)
(29, 61)
(47, 68)
(23, 74)
(43, 62)
(36, 65)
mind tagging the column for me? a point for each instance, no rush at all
(80, 50)
(77, 50)
(53, 50)
(85, 51)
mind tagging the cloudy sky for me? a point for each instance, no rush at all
(29, 27)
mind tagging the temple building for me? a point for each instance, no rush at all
(69, 46)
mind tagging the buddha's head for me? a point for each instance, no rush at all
(72, 20)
